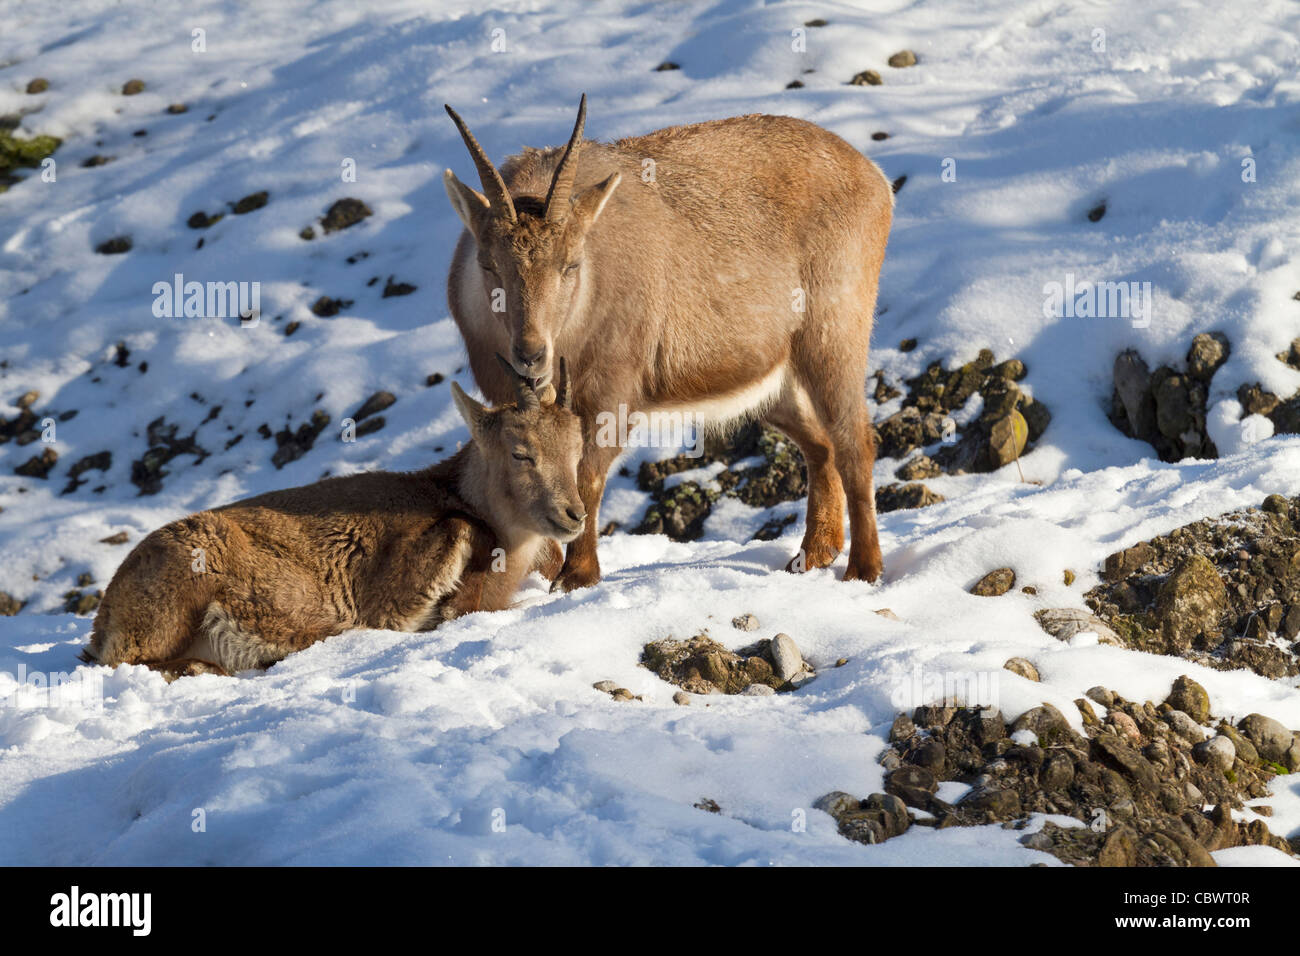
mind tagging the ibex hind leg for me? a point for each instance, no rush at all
(835, 374)
(823, 539)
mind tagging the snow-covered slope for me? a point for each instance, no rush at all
(388, 748)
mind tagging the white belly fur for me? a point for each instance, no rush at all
(715, 413)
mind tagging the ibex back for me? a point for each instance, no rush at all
(726, 269)
(244, 585)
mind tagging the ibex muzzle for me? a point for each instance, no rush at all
(532, 264)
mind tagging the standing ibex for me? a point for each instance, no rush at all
(733, 272)
(244, 585)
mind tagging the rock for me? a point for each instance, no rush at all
(38, 466)
(1119, 848)
(345, 213)
(745, 622)
(1217, 752)
(605, 686)
(1101, 696)
(132, 87)
(919, 468)
(1270, 737)
(682, 698)
(250, 203)
(758, 690)
(1046, 723)
(902, 729)
(1276, 504)
(837, 803)
(1066, 623)
(866, 78)
(121, 537)
(995, 583)
(622, 693)
(1130, 763)
(37, 85)
(933, 716)
(1191, 698)
(177, 108)
(374, 404)
(115, 246)
(998, 804)
(1123, 563)
(787, 662)
(1026, 669)
(1246, 751)
(1184, 726)
(902, 58)
(1209, 350)
(1124, 726)
(1068, 577)
(9, 605)
(1190, 603)
(887, 614)
(1057, 773)
(896, 497)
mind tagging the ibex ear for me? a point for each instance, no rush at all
(469, 409)
(468, 203)
(590, 203)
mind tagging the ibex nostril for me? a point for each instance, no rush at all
(577, 514)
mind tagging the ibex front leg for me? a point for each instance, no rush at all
(581, 566)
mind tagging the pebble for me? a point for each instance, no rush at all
(1023, 667)
(787, 662)
(683, 698)
(746, 622)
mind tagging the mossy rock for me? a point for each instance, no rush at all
(25, 153)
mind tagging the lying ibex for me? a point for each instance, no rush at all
(243, 585)
(723, 269)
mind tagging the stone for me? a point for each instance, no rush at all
(132, 87)
(1066, 623)
(1208, 351)
(995, 583)
(902, 58)
(866, 78)
(345, 213)
(1271, 738)
(37, 85)
(605, 686)
(758, 690)
(919, 468)
(682, 698)
(1046, 723)
(1124, 726)
(1184, 726)
(1119, 848)
(1190, 603)
(1217, 752)
(1191, 698)
(902, 729)
(898, 497)
(1101, 696)
(1123, 563)
(787, 662)
(745, 622)
(1025, 668)
(1126, 760)
(837, 803)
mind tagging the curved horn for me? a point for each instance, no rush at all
(493, 185)
(557, 198)
(525, 396)
(563, 393)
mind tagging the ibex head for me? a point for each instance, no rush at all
(530, 249)
(530, 451)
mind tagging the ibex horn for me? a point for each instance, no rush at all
(494, 186)
(525, 395)
(557, 198)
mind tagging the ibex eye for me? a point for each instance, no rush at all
(571, 268)
(522, 457)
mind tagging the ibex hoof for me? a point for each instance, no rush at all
(571, 579)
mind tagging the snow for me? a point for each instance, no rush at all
(484, 742)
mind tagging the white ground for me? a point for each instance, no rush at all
(379, 747)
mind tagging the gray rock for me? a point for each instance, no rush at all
(837, 803)
(1217, 752)
(1100, 695)
(605, 686)
(787, 662)
(1064, 623)
(682, 698)
(1271, 738)
(1184, 726)
(745, 622)
(758, 690)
